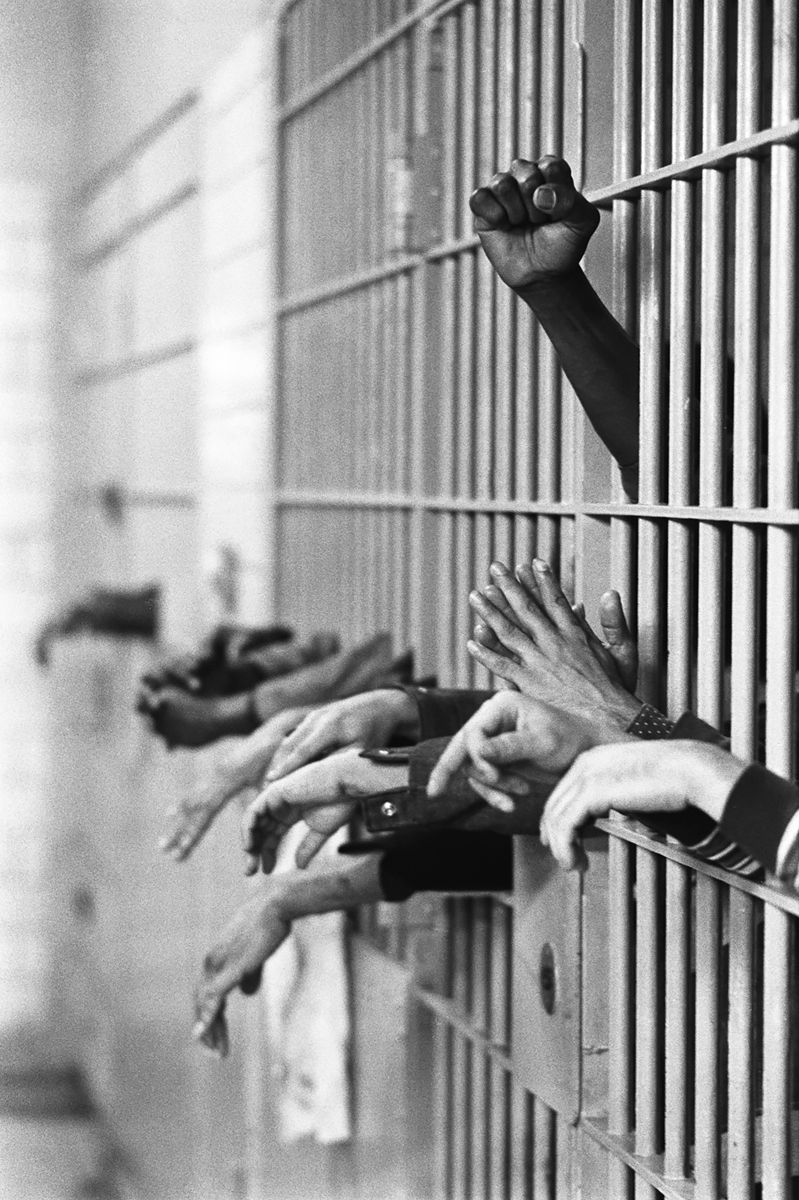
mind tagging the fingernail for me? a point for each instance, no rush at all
(546, 198)
(540, 566)
(504, 804)
(198, 1031)
(498, 568)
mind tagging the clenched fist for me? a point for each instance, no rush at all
(532, 222)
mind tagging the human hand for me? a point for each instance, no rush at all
(368, 720)
(323, 794)
(551, 653)
(252, 935)
(636, 777)
(512, 746)
(532, 222)
(242, 767)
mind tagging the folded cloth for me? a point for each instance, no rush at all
(306, 999)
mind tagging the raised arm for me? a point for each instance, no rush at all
(534, 227)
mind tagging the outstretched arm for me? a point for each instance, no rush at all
(240, 768)
(534, 227)
(264, 922)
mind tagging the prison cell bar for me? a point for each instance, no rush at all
(746, 426)
(781, 599)
(528, 147)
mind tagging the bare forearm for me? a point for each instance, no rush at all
(346, 884)
(599, 359)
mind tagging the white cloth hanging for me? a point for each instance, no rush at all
(306, 997)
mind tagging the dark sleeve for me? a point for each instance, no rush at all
(446, 860)
(757, 813)
(459, 807)
(443, 711)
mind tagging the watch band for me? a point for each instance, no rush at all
(650, 725)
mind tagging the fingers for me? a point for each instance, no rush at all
(499, 662)
(453, 758)
(310, 739)
(189, 824)
(621, 643)
(493, 796)
(490, 719)
(310, 846)
(522, 599)
(518, 641)
(483, 634)
(508, 200)
(553, 600)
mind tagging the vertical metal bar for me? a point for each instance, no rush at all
(465, 481)
(464, 577)
(503, 539)
(500, 973)
(448, 375)
(519, 1144)
(681, 400)
(448, 268)
(647, 1091)
(441, 1095)
(460, 1180)
(505, 323)
(625, 102)
(678, 910)
(499, 1034)
(486, 277)
(778, 977)
(483, 554)
(549, 375)
(746, 399)
(461, 954)
(652, 341)
(620, 1000)
(706, 1118)
(447, 648)
(712, 372)
(468, 112)
(449, 119)
(782, 383)
(543, 1151)
(740, 1165)
(402, 391)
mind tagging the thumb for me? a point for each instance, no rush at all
(562, 202)
(620, 641)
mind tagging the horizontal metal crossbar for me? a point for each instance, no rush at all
(135, 227)
(772, 893)
(350, 65)
(450, 1012)
(649, 1169)
(381, 501)
(136, 362)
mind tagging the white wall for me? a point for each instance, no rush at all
(141, 54)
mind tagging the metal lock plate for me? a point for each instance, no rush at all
(546, 978)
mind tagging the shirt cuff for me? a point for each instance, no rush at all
(443, 711)
(758, 812)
